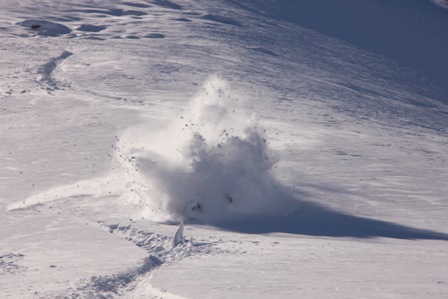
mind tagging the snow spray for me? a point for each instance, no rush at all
(207, 165)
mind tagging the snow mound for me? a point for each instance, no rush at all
(45, 28)
(208, 165)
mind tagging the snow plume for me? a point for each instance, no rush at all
(207, 165)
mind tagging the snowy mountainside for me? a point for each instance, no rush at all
(304, 134)
(412, 33)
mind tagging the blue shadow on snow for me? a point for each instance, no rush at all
(316, 220)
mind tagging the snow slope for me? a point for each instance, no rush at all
(412, 34)
(304, 145)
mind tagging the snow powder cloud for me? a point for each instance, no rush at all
(209, 164)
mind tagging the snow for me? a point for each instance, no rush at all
(178, 238)
(302, 145)
(410, 34)
(209, 164)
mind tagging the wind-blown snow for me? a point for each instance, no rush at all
(209, 164)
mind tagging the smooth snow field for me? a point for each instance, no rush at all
(224, 149)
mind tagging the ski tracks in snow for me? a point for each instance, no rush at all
(135, 281)
(51, 76)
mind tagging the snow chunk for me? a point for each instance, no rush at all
(179, 236)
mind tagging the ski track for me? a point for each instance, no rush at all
(158, 246)
(49, 74)
(160, 250)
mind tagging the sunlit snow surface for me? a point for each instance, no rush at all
(306, 158)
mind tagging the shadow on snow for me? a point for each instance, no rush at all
(316, 220)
